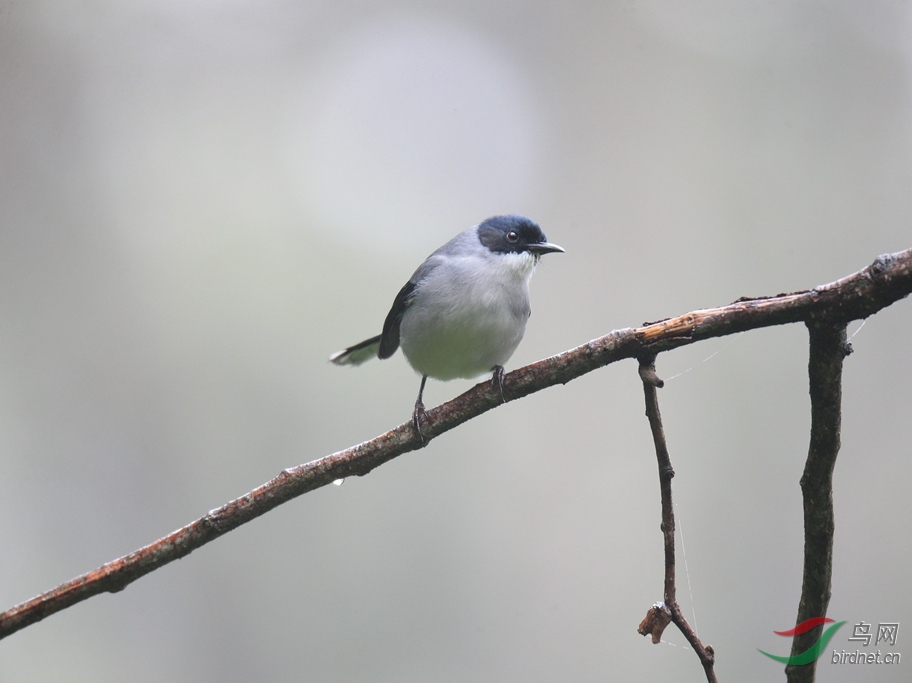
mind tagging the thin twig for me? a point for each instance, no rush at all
(860, 295)
(828, 348)
(651, 383)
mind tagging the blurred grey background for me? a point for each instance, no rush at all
(200, 201)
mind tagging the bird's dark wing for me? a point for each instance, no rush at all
(389, 340)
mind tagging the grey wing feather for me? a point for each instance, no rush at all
(389, 339)
(384, 345)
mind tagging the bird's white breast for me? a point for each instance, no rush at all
(478, 317)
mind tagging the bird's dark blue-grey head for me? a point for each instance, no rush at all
(513, 234)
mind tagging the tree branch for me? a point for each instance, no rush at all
(860, 295)
(828, 348)
(653, 624)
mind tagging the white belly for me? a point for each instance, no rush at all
(472, 327)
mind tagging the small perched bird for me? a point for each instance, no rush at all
(464, 311)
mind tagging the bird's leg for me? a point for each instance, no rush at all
(498, 380)
(419, 413)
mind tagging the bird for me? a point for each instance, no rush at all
(464, 310)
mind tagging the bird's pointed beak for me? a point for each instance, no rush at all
(545, 248)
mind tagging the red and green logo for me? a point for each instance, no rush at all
(815, 650)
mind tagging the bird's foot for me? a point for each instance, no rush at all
(418, 416)
(498, 381)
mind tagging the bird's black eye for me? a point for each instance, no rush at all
(512, 237)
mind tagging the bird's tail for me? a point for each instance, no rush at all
(357, 354)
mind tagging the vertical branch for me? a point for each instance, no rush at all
(651, 384)
(658, 616)
(828, 349)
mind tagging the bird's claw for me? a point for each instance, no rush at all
(498, 381)
(418, 416)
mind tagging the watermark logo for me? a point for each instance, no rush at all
(885, 635)
(815, 650)
(865, 633)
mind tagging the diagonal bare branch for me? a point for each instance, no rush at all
(859, 295)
